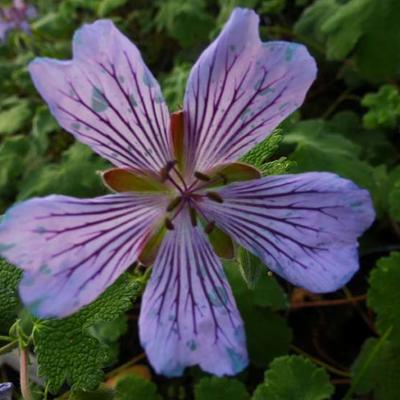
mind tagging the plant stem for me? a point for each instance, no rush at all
(24, 377)
(6, 338)
(327, 303)
(345, 374)
(126, 365)
(364, 368)
(356, 306)
(9, 347)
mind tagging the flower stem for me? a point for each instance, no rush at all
(24, 377)
(126, 365)
(330, 368)
(327, 303)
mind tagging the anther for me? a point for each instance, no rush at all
(215, 197)
(209, 227)
(193, 216)
(168, 224)
(174, 203)
(201, 176)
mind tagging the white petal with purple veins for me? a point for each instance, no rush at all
(73, 249)
(239, 90)
(189, 316)
(107, 98)
(304, 227)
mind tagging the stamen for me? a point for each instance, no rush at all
(174, 203)
(166, 170)
(168, 224)
(201, 176)
(215, 197)
(209, 227)
(193, 216)
(180, 177)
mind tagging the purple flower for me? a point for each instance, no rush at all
(15, 17)
(181, 194)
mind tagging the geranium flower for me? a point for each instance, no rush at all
(181, 194)
(16, 17)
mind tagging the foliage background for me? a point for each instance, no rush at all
(342, 345)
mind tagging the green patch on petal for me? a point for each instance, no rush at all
(229, 173)
(219, 296)
(99, 103)
(123, 180)
(150, 250)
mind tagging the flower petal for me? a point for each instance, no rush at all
(73, 249)
(239, 90)
(107, 98)
(188, 314)
(304, 227)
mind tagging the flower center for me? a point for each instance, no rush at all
(189, 195)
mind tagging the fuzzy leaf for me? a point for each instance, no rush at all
(65, 349)
(9, 279)
(258, 155)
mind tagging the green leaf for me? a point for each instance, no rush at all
(311, 21)
(43, 124)
(13, 154)
(177, 18)
(9, 280)
(250, 267)
(394, 202)
(344, 28)
(258, 155)
(294, 377)
(366, 29)
(381, 363)
(384, 294)
(134, 387)
(384, 108)
(272, 6)
(75, 175)
(65, 349)
(15, 118)
(318, 147)
(268, 334)
(109, 332)
(265, 291)
(174, 85)
(220, 389)
(106, 7)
